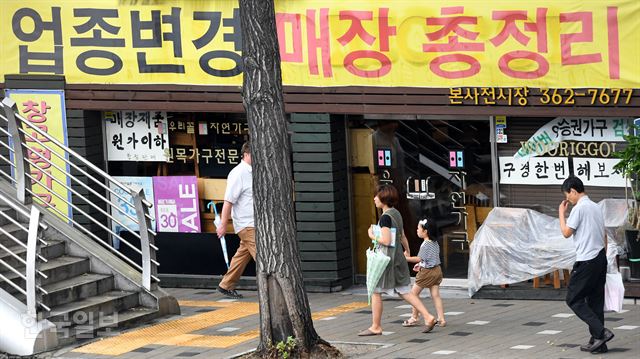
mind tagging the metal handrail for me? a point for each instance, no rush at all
(89, 217)
(23, 227)
(64, 159)
(20, 128)
(8, 103)
(20, 210)
(91, 234)
(30, 274)
(82, 197)
(32, 236)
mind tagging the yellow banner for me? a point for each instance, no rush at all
(45, 109)
(439, 43)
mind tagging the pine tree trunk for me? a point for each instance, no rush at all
(284, 307)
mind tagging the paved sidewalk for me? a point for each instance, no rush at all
(213, 327)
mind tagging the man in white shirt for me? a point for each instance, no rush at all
(238, 204)
(585, 294)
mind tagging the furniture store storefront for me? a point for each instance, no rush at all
(436, 99)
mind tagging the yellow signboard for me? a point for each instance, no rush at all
(45, 109)
(439, 43)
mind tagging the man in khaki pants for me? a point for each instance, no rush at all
(238, 203)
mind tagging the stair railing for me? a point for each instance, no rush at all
(22, 129)
(30, 273)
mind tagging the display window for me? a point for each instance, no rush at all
(181, 160)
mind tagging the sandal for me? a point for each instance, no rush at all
(441, 323)
(368, 333)
(411, 322)
(429, 327)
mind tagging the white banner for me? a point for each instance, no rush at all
(136, 135)
(598, 172)
(535, 170)
(589, 129)
(554, 170)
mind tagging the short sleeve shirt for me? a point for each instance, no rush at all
(587, 222)
(385, 221)
(239, 192)
(429, 254)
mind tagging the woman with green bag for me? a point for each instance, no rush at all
(395, 278)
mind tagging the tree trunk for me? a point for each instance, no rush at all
(284, 307)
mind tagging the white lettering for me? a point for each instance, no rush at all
(189, 192)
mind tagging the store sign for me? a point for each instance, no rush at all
(536, 170)
(543, 44)
(125, 210)
(554, 170)
(45, 109)
(136, 135)
(598, 172)
(177, 204)
(524, 96)
(549, 136)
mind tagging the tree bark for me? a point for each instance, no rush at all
(284, 307)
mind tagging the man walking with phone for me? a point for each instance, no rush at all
(585, 293)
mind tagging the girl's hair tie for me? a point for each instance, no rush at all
(423, 223)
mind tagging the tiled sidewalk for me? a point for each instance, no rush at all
(213, 327)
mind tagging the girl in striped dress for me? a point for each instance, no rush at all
(427, 264)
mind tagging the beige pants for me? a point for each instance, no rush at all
(246, 251)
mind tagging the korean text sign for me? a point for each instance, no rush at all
(545, 43)
(45, 109)
(554, 170)
(136, 135)
(549, 137)
(176, 204)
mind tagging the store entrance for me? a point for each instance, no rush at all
(442, 169)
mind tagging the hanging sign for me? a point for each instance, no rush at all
(598, 172)
(177, 204)
(554, 170)
(439, 43)
(588, 129)
(136, 135)
(46, 110)
(535, 170)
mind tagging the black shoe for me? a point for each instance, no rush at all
(603, 349)
(230, 293)
(587, 347)
(606, 336)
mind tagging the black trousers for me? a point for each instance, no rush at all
(585, 294)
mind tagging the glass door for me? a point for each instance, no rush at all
(442, 169)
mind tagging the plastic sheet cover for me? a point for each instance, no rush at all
(516, 244)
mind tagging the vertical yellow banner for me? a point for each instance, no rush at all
(45, 109)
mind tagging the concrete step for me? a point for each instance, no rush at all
(83, 286)
(15, 231)
(57, 269)
(121, 320)
(53, 249)
(10, 212)
(93, 309)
